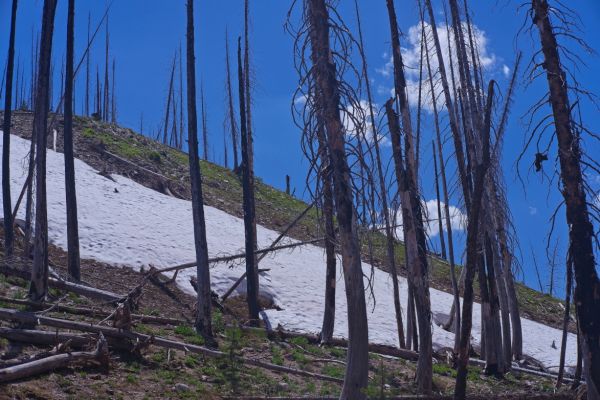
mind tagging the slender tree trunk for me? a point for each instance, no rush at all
(328, 105)
(203, 318)
(6, 199)
(390, 242)
(414, 232)
(472, 253)
(204, 127)
(87, 70)
(581, 232)
(248, 192)
(39, 272)
(105, 105)
(180, 99)
(327, 215)
(439, 207)
(168, 108)
(113, 112)
(71, 195)
(566, 319)
(232, 122)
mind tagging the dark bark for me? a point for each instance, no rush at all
(232, 122)
(70, 190)
(414, 232)
(390, 241)
(203, 318)
(581, 232)
(327, 216)
(39, 272)
(204, 122)
(439, 207)
(248, 200)
(6, 199)
(328, 106)
(473, 247)
(87, 70)
(566, 319)
(180, 141)
(168, 108)
(105, 105)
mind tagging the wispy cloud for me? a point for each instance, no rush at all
(533, 210)
(458, 220)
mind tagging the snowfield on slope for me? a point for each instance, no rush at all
(126, 224)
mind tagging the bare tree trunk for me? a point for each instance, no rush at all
(71, 193)
(472, 253)
(232, 122)
(390, 242)
(180, 99)
(39, 272)
(327, 215)
(168, 108)
(248, 192)
(204, 127)
(6, 199)
(113, 112)
(414, 232)
(87, 70)
(203, 317)
(439, 207)
(328, 105)
(105, 105)
(566, 319)
(581, 232)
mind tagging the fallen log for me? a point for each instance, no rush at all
(36, 367)
(90, 312)
(48, 338)
(82, 290)
(33, 319)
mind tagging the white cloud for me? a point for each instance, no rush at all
(506, 71)
(411, 56)
(300, 100)
(458, 220)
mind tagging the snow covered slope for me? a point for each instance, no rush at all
(126, 224)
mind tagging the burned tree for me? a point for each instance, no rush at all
(230, 109)
(39, 272)
(204, 315)
(571, 159)
(6, 200)
(71, 193)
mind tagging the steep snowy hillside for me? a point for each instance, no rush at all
(126, 224)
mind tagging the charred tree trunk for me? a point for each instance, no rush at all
(203, 317)
(566, 319)
(390, 242)
(113, 108)
(414, 232)
(6, 199)
(473, 247)
(328, 105)
(168, 108)
(180, 141)
(587, 285)
(87, 70)
(39, 272)
(105, 105)
(327, 215)
(204, 127)
(71, 193)
(248, 194)
(439, 207)
(232, 122)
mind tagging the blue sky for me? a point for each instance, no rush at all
(146, 33)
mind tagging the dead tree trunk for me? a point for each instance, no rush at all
(180, 141)
(248, 194)
(390, 243)
(204, 317)
(566, 319)
(473, 246)
(87, 70)
(581, 232)
(204, 127)
(71, 192)
(439, 207)
(113, 108)
(6, 199)
(327, 216)
(232, 122)
(168, 108)
(105, 105)
(39, 272)
(328, 105)
(414, 232)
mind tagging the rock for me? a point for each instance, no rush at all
(282, 386)
(181, 387)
